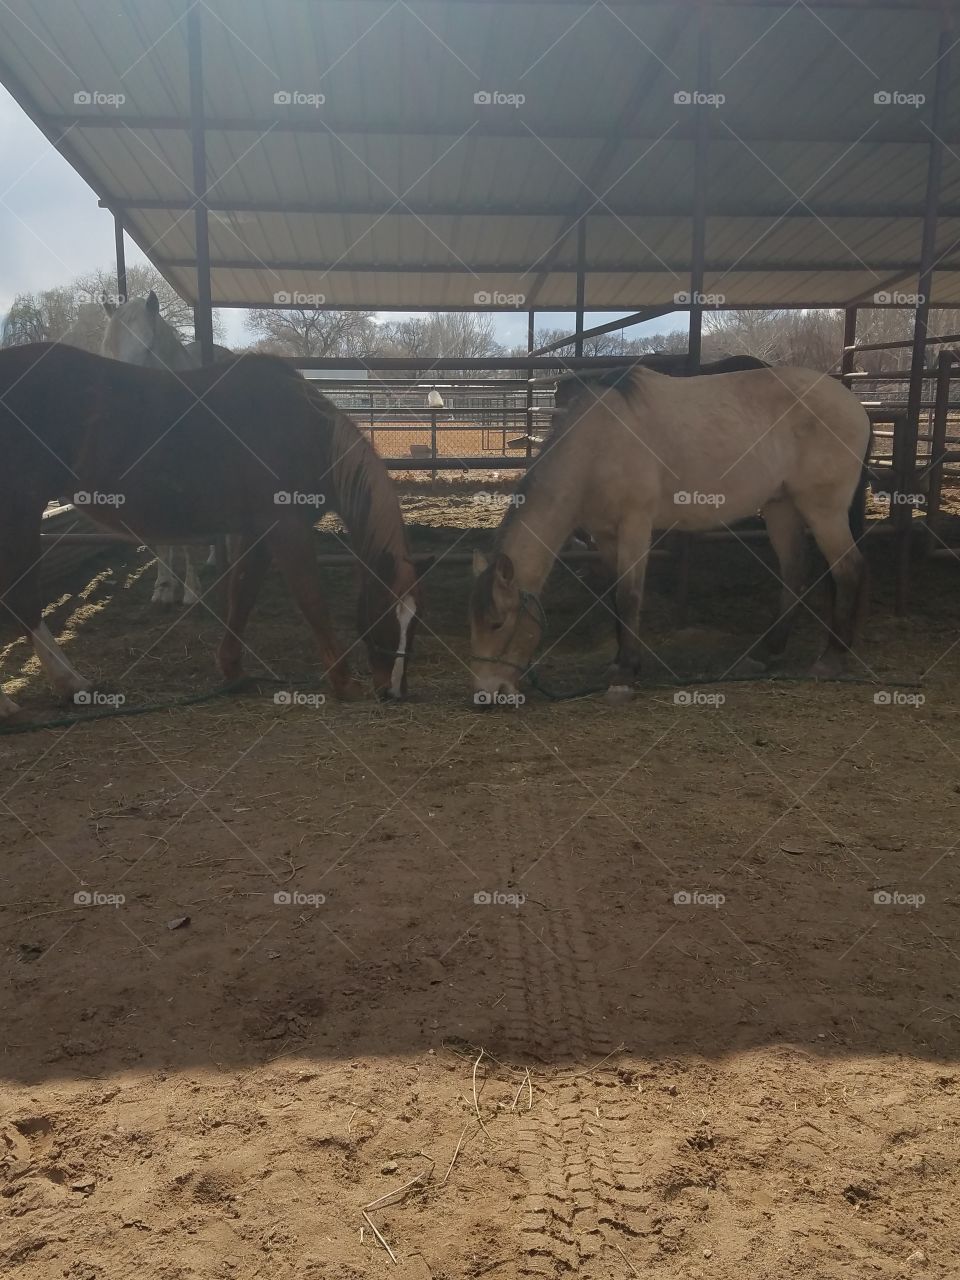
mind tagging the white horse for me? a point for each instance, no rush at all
(138, 334)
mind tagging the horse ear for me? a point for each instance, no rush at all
(480, 562)
(504, 570)
(109, 307)
(153, 303)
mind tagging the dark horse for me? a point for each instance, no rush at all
(246, 447)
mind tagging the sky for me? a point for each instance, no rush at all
(52, 230)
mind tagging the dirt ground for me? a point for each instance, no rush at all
(663, 990)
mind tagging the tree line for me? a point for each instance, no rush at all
(813, 338)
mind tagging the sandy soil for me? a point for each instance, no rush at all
(682, 1038)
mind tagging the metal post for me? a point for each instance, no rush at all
(848, 357)
(530, 341)
(121, 258)
(928, 250)
(700, 157)
(203, 312)
(581, 284)
(938, 445)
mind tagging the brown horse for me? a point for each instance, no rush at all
(246, 448)
(632, 451)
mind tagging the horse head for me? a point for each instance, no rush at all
(506, 626)
(137, 334)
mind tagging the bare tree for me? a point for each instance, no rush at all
(459, 335)
(313, 331)
(73, 312)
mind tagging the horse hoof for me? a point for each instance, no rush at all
(826, 669)
(163, 595)
(618, 694)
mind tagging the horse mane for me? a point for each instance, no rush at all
(363, 492)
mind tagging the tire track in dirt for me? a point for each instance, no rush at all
(584, 1186)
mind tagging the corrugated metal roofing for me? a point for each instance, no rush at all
(402, 190)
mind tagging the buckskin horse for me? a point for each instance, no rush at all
(246, 447)
(634, 450)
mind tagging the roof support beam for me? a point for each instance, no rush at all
(121, 258)
(928, 250)
(345, 267)
(611, 326)
(581, 286)
(203, 311)
(493, 127)
(698, 248)
(413, 208)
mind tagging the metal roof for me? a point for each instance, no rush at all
(404, 189)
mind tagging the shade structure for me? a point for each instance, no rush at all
(405, 154)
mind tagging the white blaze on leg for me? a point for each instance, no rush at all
(191, 583)
(64, 677)
(406, 612)
(165, 591)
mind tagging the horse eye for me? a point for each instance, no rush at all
(496, 626)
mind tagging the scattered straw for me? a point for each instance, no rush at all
(476, 1101)
(621, 1048)
(626, 1260)
(455, 1154)
(373, 1227)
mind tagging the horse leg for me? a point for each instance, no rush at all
(293, 548)
(247, 573)
(786, 532)
(165, 589)
(848, 570)
(191, 581)
(633, 547)
(61, 673)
